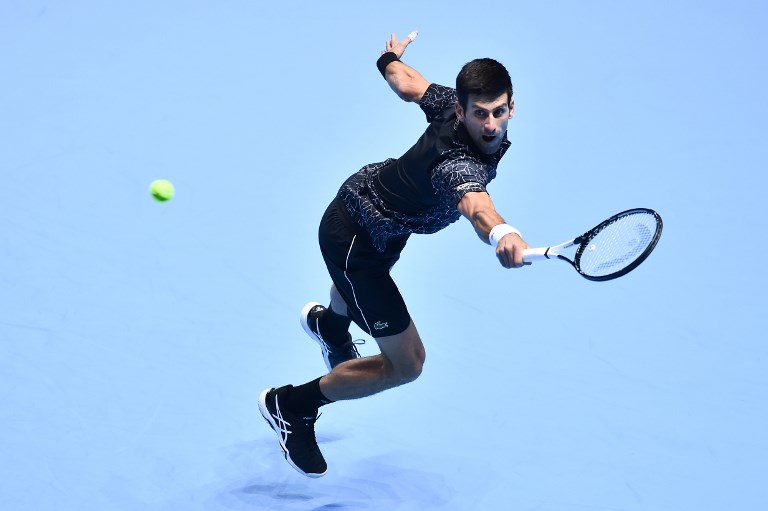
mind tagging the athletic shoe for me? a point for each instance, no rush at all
(295, 432)
(332, 354)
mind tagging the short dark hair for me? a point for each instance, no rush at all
(485, 78)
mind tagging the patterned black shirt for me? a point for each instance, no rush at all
(418, 192)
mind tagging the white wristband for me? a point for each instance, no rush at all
(499, 231)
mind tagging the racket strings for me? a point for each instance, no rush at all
(618, 244)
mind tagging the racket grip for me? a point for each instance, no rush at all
(534, 254)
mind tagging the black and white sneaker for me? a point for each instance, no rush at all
(332, 354)
(295, 432)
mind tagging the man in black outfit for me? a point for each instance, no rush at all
(365, 228)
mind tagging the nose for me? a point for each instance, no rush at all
(494, 125)
(491, 125)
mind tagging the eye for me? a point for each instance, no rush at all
(482, 114)
(499, 112)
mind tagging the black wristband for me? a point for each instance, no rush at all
(385, 60)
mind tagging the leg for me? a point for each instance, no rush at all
(338, 305)
(363, 291)
(329, 327)
(401, 360)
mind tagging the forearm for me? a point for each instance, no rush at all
(478, 208)
(490, 227)
(406, 82)
(483, 221)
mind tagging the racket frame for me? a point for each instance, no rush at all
(555, 251)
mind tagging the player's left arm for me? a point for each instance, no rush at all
(406, 82)
(478, 208)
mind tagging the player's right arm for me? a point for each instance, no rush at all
(478, 208)
(406, 82)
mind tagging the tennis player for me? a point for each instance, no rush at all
(365, 228)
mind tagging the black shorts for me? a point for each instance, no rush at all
(361, 273)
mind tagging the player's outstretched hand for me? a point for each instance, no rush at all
(398, 47)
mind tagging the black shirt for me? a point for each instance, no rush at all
(418, 192)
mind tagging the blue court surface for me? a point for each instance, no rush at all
(135, 336)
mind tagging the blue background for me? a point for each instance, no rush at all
(135, 336)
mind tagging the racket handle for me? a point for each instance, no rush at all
(534, 254)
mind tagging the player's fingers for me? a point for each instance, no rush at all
(512, 258)
(503, 258)
(408, 39)
(518, 257)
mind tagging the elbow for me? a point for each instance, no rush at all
(404, 95)
(405, 90)
(407, 95)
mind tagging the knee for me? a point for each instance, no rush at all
(410, 369)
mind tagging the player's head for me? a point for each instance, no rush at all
(485, 103)
(485, 78)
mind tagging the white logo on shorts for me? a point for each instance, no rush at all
(380, 325)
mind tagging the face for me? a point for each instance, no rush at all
(486, 121)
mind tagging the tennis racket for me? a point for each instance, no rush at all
(609, 250)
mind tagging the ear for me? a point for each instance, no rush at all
(511, 107)
(459, 111)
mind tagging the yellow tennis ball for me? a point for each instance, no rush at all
(162, 190)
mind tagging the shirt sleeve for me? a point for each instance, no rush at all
(455, 178)
(437, 99)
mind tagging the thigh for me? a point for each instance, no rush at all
(404, 351)
(375, 300)
(361, 274)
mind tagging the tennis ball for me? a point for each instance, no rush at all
(162, 190)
